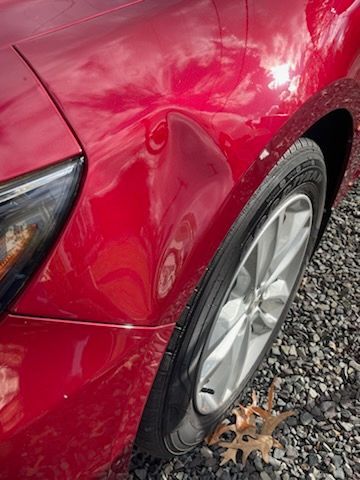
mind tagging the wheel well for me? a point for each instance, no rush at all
(333, 133)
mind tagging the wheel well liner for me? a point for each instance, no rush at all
(334, 134)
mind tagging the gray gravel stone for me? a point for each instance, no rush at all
(293, 351)
(258, 463)
(346, 426)
(349, 471)
(337, 460)
(264, 476)
(313, 460)
(140, 473)
(325, 406)
(306, 418)
(313, 393)
(285, 349)
(291, 452)
(278, 453)
(206, 452)
(339, 474)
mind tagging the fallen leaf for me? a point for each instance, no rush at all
(244, 418)
(218, 432)
(271, 395)
(261, 412)
(229, 454)
(254, 398)
(263, 443)
(249, 437)
(248, 432)
(277, 444)
(272, 421)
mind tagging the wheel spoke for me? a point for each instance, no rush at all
(236, 360)
(242, 285)
(223, 348)
(265, 250)
(287, 255)
(262, 321)
(229, 315)
(291, 223)
(277, 293)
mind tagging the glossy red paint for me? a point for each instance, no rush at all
(32, 132)
(173, 116)
(181, 108)
(71, 394)
(27, 18)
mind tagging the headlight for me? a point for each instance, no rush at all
(32, 210)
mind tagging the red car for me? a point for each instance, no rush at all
(167, 168)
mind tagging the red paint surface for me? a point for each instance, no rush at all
(26, 18)
(32, 132)
(70, 392)
(173, 103)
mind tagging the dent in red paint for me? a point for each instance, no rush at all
(173, 116)
(71, 394)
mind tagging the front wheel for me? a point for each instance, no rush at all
(239, 306)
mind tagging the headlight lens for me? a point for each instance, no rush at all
(32, 209)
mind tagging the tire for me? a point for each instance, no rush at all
(173, 422)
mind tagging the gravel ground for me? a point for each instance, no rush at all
(317, 359)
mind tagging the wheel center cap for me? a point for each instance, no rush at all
(257, 299)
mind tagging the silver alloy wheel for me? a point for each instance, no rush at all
(254, 302)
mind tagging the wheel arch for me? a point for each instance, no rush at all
(331, 118)
(334, 134)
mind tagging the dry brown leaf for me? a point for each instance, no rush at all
(277, 444)
(229, 454)
(266, 442)
(248, 439)
(270, 400)
(245, 415)
(272, 421)
(250, 431)
(244, 418)
(220, 430)
(271, 393)
(263, 443)
(261, 412)
(254, 398)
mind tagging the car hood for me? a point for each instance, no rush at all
(20, 19)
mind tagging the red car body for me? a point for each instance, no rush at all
(181, 108)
